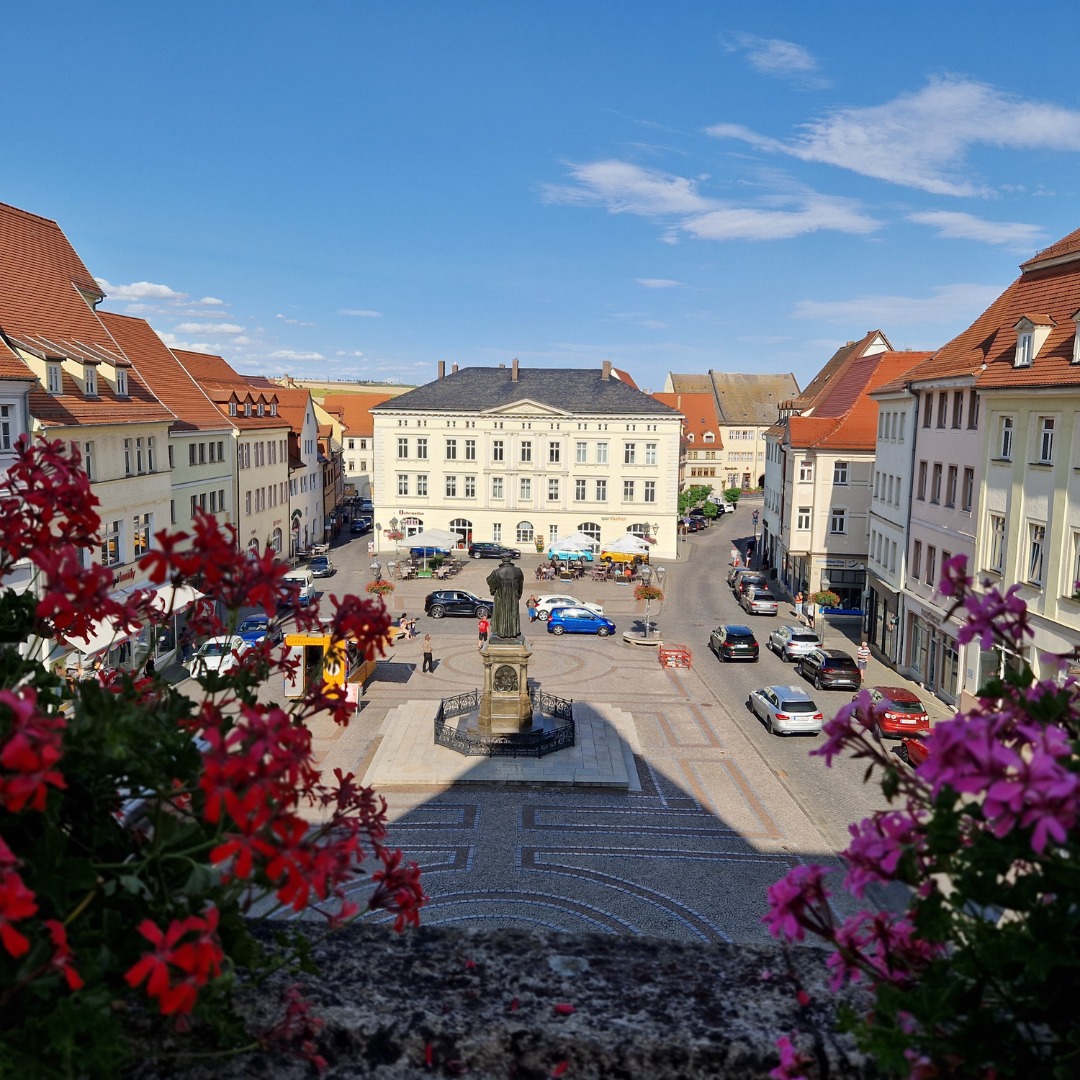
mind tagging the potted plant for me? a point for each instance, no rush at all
(539, 545)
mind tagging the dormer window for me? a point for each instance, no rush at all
(90, 380)
(689, 436)
(1076, 339)
(121, 383)
(708, 437)
(260, 408)
(1031, 334)
(53, 378)
(232, 407)
(273, 408)
(247, 408)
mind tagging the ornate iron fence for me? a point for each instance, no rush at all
(510, 744)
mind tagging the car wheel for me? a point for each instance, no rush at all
(477, 555)
(877, 732)
(437, 611)
(558, 629)
(482, 613)
(543, 616)
(818, 684)
(768, 724)
(602, 631)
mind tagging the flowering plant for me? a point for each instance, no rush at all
(394, 534)
(137, 827)
(648, 592)
(984, 835)
(825, 598)
(379, 588)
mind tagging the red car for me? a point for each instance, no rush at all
(896, 712)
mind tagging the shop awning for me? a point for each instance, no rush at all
(175, 598)
(107, 634)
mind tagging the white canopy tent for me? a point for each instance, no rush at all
(439, 538)
(628, 544)
(576, 541)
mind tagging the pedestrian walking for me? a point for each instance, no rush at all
(429, 661)
(530, 606)
(799, 606)
(735, 558)
(861, 657)
(483, 628)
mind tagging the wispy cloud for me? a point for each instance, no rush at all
(211, 301)
(140, 290)
(946, 304)
(658, 283)
(360, 313)
(293, 322)
(811, 213)
(923, 139)
(623, 188)
(779, 59)
(209, 328)
(953, 225)
(292, 354)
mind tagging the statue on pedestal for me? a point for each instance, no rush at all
(506, 583)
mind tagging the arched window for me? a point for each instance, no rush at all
(591, 530)
(640, 529)
(462, 528)
(277, 540)
(525, 533)
(253, 547)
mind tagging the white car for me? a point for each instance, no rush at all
(790, 642)
(786, 710)
(220, 654)
(546, 603)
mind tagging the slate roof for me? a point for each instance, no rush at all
(751, 399)
(573, 391)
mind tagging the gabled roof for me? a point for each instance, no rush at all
(744, 398)
(221, 384)
(355, 411)
(571, 391)
(871, 342)
(293, 403)
(689, 384)
(699, 415)
(164, 374)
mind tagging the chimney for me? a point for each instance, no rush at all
(606, 373)
(442, 370)
(514, 370)
(453, 370)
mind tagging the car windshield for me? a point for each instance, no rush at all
(804, 636)
(902, 706)
(764, 596)
(741, 639)
(215, 648)
(839, 662)
(254, 622)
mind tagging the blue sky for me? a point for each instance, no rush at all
(359, 190)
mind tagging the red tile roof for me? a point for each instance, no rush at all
(355, 410)
(699, 414)
(1066, 247)
(221, 383)
(837, 364)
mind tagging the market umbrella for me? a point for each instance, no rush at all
(576, 541)
(432, 538)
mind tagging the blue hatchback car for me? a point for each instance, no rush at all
(578, 620)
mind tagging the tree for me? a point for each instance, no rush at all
(695, 495)
(732, 495)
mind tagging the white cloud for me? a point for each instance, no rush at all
(657, 283)
(140, 290)
(624, 188)
(946, 304)
(292, 354)
(192, 346)
(953, 225)
(293, 322)
(360, 313)
(780, 59)
(349, 352)
(209, 328)
(210, 301)
(922, 139)
(813, 213)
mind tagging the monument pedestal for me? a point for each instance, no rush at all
(505, 705)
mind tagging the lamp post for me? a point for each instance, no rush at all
(659, 572)
(819, 615)
(378, 535)
(376, 570)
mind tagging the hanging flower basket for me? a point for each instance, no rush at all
(648, 592)
(649, 539)
(379, 588)
(394, 534)
(825, 599)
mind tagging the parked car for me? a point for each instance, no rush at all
(361, 525)
(693, 524)
(830, 669)
(321, 566)
(545, 604)
(570, 556)
(737, 573)
(578, 620)
(786, 710)
(913, 751)
(367, 506)
(896, 712)
(486, 550)
(218, 654)
(790, 642)
(456, 602)
(758, 601)
(750, 579)
(258, 626)
(429, 552)
(723, 507)
(734, 642)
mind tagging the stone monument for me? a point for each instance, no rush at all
(505, 704)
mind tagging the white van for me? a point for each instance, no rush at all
(301, 578)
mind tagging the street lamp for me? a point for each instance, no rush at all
(378, 533)
(818, 613)
(376, 570)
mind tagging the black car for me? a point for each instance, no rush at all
(734, 642)
(830, 669)
(456, 602)
(361, 525)
(487, 550)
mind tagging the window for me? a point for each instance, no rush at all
(470, 487)
(628, 490)
(402, 449)
(470, 449)
(525, 488)
(806, 471)
(942, 407)
(1071, 588)
(601, 453)
(421, 483)
(927, 401)
(601, 491)
(121, 382)
(127, 457)
(973, 409)
(110, 543)
(451, 449)
(553, 490)
(997, 542)
(88, 460)
(579, 490)
(968, 494)
(53, 378)
(524, 532)
(581, 452)
(931, 565)
(629, 453)
(498, 450)
(191, 453)
(496, 487)
(1036, 542)
(141, 528)
(839, 473)
(950, 486)
(421, 448)
(90, 378)
(957, 408)
(1005, 438)
(554, 453)
(650, 491)
(802, 521)
(838, 521)
(451, 487)
(526, 452)
(921, 489)
(935, 483)
(496, 533)
(1046, 440)
(650, 453)
(403, 483)
(150, 453)
(916, 559)
(1025, 350)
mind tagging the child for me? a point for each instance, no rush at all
(483, 628)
